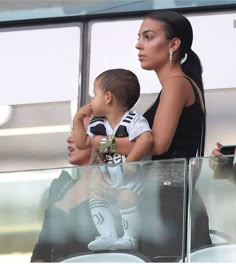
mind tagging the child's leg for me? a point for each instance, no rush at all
(131, 220)
(102, 217)
(130, 214)
(105, 224)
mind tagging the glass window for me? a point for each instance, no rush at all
(22, 10)
(39, 65)
(113, 46)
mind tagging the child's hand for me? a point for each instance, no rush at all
(84, 111)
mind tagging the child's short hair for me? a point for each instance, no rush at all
(123, 84)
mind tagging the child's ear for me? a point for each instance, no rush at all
(108, 97)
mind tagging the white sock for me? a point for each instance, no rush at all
(103, 218)
(131, 221)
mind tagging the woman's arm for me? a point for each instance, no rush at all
(174, 97)
(142, 147)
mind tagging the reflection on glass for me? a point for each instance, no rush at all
(143, 199)
(215, 183)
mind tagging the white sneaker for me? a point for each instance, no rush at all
(125, 243)
(102, 243)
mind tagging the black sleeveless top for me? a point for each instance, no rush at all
(188, 135)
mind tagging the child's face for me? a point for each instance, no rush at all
(99, 100)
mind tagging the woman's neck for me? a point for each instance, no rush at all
(168, 71)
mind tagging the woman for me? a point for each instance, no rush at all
(177, 117)
(68, 226)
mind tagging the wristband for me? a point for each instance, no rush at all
(107, 145)
(112, 144)
(103, 148)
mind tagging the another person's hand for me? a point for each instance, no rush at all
(216, 151)
(217, 159)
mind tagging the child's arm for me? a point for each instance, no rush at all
(141, 148)
(123, 144)
(82, 140)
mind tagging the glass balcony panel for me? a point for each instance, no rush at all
(154, 190)
(215, 181)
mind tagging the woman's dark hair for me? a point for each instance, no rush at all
(178, 26)
(123, 84)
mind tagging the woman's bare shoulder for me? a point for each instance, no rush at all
(176, 81)
(176, 85)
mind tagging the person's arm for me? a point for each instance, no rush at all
(174, 97)
(142, 147)
(82, 140)
(123, 144)
(137, 144)
(139, 131)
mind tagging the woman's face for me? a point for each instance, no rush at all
(99, 100)
(75, 155)
(152, 45)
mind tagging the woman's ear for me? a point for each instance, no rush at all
(175, 44)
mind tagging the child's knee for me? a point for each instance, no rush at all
(127, 199)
